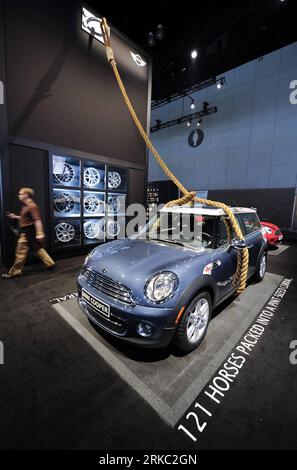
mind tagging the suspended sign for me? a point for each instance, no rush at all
(92, 25)
(196, 138)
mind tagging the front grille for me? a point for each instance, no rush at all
(277, 232)
(107, 286)
(112, 324)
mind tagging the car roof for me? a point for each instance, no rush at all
(205, 210)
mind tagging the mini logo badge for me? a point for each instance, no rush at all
(137, 59)
(92, 25)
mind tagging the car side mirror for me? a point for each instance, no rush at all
(238, 244)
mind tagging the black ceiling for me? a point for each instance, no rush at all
(225, 34)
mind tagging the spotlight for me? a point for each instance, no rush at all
(199, 122)
(151, 40)
(192, 105)
(189, 123)
(160, 32)
(194, 54)
(220, 83)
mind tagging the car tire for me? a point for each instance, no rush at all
(191, 331)
(261, 268)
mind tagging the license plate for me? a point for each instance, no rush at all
(95, 303)
(280, 237)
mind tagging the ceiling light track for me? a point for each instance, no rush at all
(206, 111)
(180, 94)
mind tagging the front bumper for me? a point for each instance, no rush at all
(124, 319)
(274, 240)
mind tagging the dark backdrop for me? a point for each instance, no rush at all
(273, 205)
(61, 89)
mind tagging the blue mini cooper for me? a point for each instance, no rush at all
(162, 285)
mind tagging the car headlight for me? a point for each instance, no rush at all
(89, 256)
(161, 287)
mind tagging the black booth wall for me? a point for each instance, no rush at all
(61, 89)
(61, 94)
(273, 206)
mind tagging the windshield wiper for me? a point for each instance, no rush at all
(175, 242)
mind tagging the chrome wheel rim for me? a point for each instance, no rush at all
(262, 266)
(113, 228)
(91, 176)
(114, 179)
(63, 172)
(92, 204)
(198, 320)
(63, 202)
(91, 230)
(65, 232)
(114, 204)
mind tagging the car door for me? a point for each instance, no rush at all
(251, 229)
(224, 260)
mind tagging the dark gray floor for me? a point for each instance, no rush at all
(168, 381)
(58, 393)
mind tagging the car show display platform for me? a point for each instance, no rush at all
(167, 380)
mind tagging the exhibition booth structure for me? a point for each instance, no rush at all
(65, 130)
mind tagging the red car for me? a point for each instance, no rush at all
(272, 233)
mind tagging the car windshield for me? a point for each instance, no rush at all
(193, 231)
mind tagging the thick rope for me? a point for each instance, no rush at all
(240, 277)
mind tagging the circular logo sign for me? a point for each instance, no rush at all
(196, 138)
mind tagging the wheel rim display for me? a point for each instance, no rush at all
(63, 172)
(114, 204)
(92, 204)
(63, 202)
(197, 321)
(93, 230)
(64, 232)
(114, 179)
(91, 176)
(113, 228)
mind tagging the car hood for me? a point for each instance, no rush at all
(270, 225)
(133, 262)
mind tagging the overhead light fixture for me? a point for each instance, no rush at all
(194, 54)
(199, 122)
(160, 32)
(189, 123)
(221, 83)
(151, 40)
(205, 108)
(192, 105)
